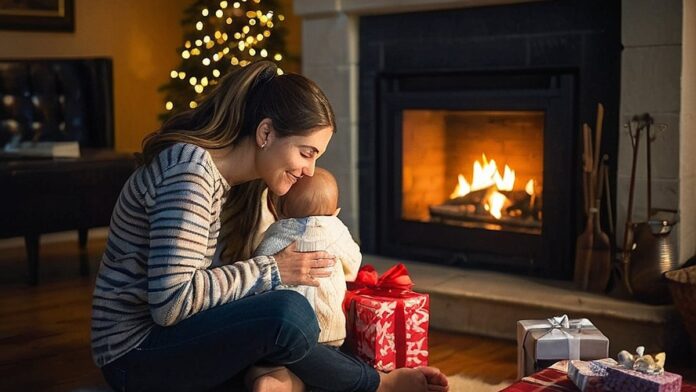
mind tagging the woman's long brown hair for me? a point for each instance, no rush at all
(232, 112)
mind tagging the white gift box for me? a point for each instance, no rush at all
(555, 339)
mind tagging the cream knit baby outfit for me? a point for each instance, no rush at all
(317, 233)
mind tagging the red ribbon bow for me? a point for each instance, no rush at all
(395, 278)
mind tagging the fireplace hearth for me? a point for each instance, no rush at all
(496, 92)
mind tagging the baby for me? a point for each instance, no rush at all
(307, 214)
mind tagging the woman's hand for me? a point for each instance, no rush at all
(303, 268)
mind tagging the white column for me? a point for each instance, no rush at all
(329, 57)
(651, 32)
(687, 140)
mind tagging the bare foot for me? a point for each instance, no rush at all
(279, 380)
(423, 379)
(437, 381)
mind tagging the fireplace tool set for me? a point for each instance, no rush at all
(593, 248)
(648, 247)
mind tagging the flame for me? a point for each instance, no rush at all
(486, 175)
(495, 204)
(463, 188)
(529, 188)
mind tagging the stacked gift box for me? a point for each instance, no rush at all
(543, 342)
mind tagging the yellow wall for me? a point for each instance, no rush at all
(140, 37)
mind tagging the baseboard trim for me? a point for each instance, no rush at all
(51, 238)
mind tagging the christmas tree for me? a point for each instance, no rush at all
(218, 37)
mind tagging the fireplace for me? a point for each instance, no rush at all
(469, 131)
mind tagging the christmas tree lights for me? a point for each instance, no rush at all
(220, 36)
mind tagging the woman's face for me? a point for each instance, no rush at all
(283, 160)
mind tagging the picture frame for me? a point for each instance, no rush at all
(37, 15)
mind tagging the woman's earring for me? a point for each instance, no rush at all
(264, 144)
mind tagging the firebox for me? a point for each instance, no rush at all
(469, 131)
(473, 168)
(477, 172)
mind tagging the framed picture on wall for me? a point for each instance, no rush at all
(37, 15)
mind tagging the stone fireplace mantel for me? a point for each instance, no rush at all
(656, 59)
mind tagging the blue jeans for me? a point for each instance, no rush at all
(213, 349)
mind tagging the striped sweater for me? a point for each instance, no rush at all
(156, 268)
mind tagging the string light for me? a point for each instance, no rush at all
(214, 41)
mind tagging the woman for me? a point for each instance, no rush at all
(173, 308)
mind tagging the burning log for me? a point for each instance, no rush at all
(475, 197)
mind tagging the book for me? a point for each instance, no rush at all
(44, 149)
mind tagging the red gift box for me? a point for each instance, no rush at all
(386, 322)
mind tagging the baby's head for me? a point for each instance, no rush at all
(310, 196)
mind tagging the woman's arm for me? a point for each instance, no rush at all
(179, 283)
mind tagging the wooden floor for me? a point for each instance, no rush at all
(44, 330)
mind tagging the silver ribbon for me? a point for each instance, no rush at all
(559, 325)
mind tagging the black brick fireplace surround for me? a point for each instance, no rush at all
(559, 57)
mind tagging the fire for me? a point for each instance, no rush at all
(487, 176)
